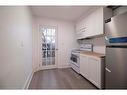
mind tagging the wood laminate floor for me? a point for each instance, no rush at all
(59, 79)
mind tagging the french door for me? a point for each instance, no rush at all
(48, 47)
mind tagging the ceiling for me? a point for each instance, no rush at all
(70, 13)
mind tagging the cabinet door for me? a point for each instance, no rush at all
(95, 71)
(84, 66)
(98, 22)
(95, 23)
(89, 27)
(81, 30)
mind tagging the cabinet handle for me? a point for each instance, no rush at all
(83, 29)
(108, 70)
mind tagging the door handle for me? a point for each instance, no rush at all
(57, 49)
(106, 38)
(108, 70)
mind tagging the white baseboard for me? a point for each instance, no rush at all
(47, 67)
(51, 67)
(64, 66)
(29, 78)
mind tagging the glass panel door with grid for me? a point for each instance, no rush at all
(48, 46)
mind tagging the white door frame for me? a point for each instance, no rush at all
(40, 49)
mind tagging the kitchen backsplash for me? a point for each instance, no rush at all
(98, 44)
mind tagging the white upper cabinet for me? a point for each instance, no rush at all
(93, 24)
(97, 23)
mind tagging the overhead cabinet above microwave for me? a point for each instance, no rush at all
(93, 24)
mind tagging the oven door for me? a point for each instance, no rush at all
(74, 59)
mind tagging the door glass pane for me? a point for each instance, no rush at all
(48, 39)
(53, 46)
(53, 39)
(53, 53)
(43, 61)
(53, 32)
(44, 31)
(53, 60)
(49, 32)
(44, 54)
(44, 46)
(48, 46)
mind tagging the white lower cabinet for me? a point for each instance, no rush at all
(95, 71)
(84, 69)
(91, 69)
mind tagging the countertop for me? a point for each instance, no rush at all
(94, 54)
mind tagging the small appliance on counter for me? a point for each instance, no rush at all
(75, 56)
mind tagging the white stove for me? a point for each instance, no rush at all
(75, 56)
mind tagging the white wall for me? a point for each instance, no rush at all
(66, 39)
(15, 47)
